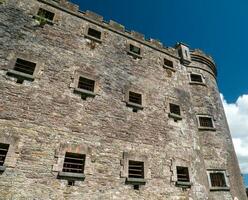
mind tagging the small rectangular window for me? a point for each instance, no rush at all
(182, 174)
(206, 122)
(168, 63)
(74, 163)
(135, 98)
(3, 152)
(86, 84)
(134, 49)
(196, 78)
(217, 179)
(135, 169)
(175, 109)
(45, 14)
(94, 33)
(24, 66)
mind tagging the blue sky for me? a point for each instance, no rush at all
(218, 27)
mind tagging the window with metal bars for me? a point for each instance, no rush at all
(183, 174)
(24, 66)
(206, 122)
(217, 179)
(45, 14)
(135, 98)
(74, 163)
(168, 63)
(196, 78)
(175, 109)
(134, 49)
(86, 84)
(94, 33)
(135, 169)
(3, 152)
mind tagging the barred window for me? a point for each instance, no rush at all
(135, 98)
(134, 49)
(94, 33)
(217, 179)
(86, 84)
(175, 109)
(74, 163)
(168, 63)
(183, 174)
(135, 169)
(45, 14)
(196, 78)
(206, 122)
(3, 152)
(24, 66)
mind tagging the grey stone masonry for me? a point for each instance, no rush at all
(46, 112)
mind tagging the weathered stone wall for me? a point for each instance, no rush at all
(39, 118)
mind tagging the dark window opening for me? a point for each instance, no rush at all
(135, 169)
(24, 66)
(3, 152)
(218, 179)
(86, 84)
(175, 109)
(134, 49)
(206, 122)
(168, 63)
(74, 163)
(182, 174)
(94, 33)
(136, 187)
(45, 14)
(135, 98)
(71, 183)
(196, 78)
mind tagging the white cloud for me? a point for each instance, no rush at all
(237, 117)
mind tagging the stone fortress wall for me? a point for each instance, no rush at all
(45, 115)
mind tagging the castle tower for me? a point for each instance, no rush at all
(91, 111)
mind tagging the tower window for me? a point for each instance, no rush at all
(135, 98)
(45, 14)
(206, 122)
(135, 169)
(175, 109)
(134, 49)
(217, 179)
(196, 78)
(74, 163)
(94, 33)
(24, 66)
(86, 84)
(3, 152)
(182, 174)
(168, 63)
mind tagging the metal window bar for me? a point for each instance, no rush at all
(135, 98)
(3, 152)
(94, 33)
(135, 169)
(86, 84)
(196, 78)
(175, 109)
(45, 14)
(24, 66)
(183, 174)
(74, 163)
(206, 122)
(168, 63)
(134, 49)
(217, 179)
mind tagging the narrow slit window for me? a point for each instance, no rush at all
(45, 14)
(94, 33)
(24, 66)
(206, 122)
(182, 174)
(134, 49)
(135, 98)
(3, 152)
(86, 84)
(218, 179)
(135, 169)
(196, 78)
(175, 109)
(168, 63)
(74, 163)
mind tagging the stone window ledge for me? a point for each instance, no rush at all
(93, 38)
(135, 181)
(197, 83)
(2, 169)
(135, 105)
(170, 68)
(84, 92)
(184, 184)
(207, 128)
(20, 74)
(219, 189)
(71, 176)
(135, 55)
(175, 116)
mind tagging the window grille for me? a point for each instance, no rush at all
(218, 179)
(135, 169)
(45, 14)
(206, 122)
(74, 163)
(134, 49)
(86, 84)
(94, 33)
(182, 174)
(175, 109)
(196, 78)
(24, 66)
(3, 152)
(135, 98)
(168, 63)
